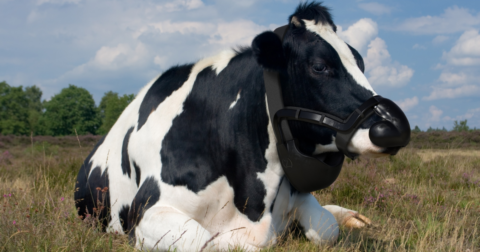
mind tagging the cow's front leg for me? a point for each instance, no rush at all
(166, 229)
(348, 218)
(319, 225)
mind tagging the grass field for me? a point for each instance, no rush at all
(426, 198)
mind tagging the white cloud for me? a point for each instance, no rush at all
(408, 103)
(239, 4)
(435, 113)
(450, 79)
(59, 2)
(224, 34)
(161, 61)
(158, 44)
(460, 75)
(440, 39)
(240, 32)
(382, 71)
(466, 51)
(122, 55)
(419, 47)
(453, 20)
(108, 61)
(471, 113)
(179, 5)
(375, 8)
(379, 67)
(183, 27)
(450, 93)
(359, 34)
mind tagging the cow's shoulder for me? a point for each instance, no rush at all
(163, 87)
(221, 132)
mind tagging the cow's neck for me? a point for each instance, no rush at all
(255, 154)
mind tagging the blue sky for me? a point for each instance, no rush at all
(424, 55)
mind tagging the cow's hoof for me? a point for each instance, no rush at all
(356, 220)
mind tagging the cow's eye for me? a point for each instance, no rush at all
(319, 67)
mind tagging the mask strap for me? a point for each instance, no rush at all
(274, 93)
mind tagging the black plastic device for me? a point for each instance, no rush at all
(310, 173)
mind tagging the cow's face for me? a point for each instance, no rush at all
(319, 71)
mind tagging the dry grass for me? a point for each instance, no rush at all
(419, 200)
(426, 200)
(429, 154)
(37, 211)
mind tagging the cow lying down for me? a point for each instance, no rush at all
(194, 156)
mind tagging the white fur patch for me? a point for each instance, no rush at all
(236, 100)
(319, 224)
(362, 145)
(348, 60)
(122, 189)
(331, 147)
(215, 211)
(223, 58)
(274, 172)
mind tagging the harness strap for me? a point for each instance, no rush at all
(273, 90)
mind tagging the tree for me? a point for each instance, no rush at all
(416, 129)
(72, 109)
(13, 110)
(110, 108)
(34, 95)
(462, 126)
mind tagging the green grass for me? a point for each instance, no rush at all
(422, 199)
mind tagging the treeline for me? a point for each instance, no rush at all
(457, 127)
(72, 111)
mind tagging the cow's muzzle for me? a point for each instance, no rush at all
(394, 130)
(392, 133)
(309, 173)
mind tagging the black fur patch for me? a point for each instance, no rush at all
(209, 140)
(138, 174)
(125, 160)
(313, 11)
(146, 197)
(268, 51)
(82, 195)
(358, 58)
(92, 196)
(163, 87)
(123, 214)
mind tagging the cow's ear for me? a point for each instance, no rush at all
(268, 51)
(297, 26)
(358, 58)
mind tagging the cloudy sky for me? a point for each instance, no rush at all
(424, 55)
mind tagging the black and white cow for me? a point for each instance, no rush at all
(194, 155)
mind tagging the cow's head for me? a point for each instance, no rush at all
(319, 71)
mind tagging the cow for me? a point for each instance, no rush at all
(191, 163)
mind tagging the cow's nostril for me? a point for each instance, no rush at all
(385, 134)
